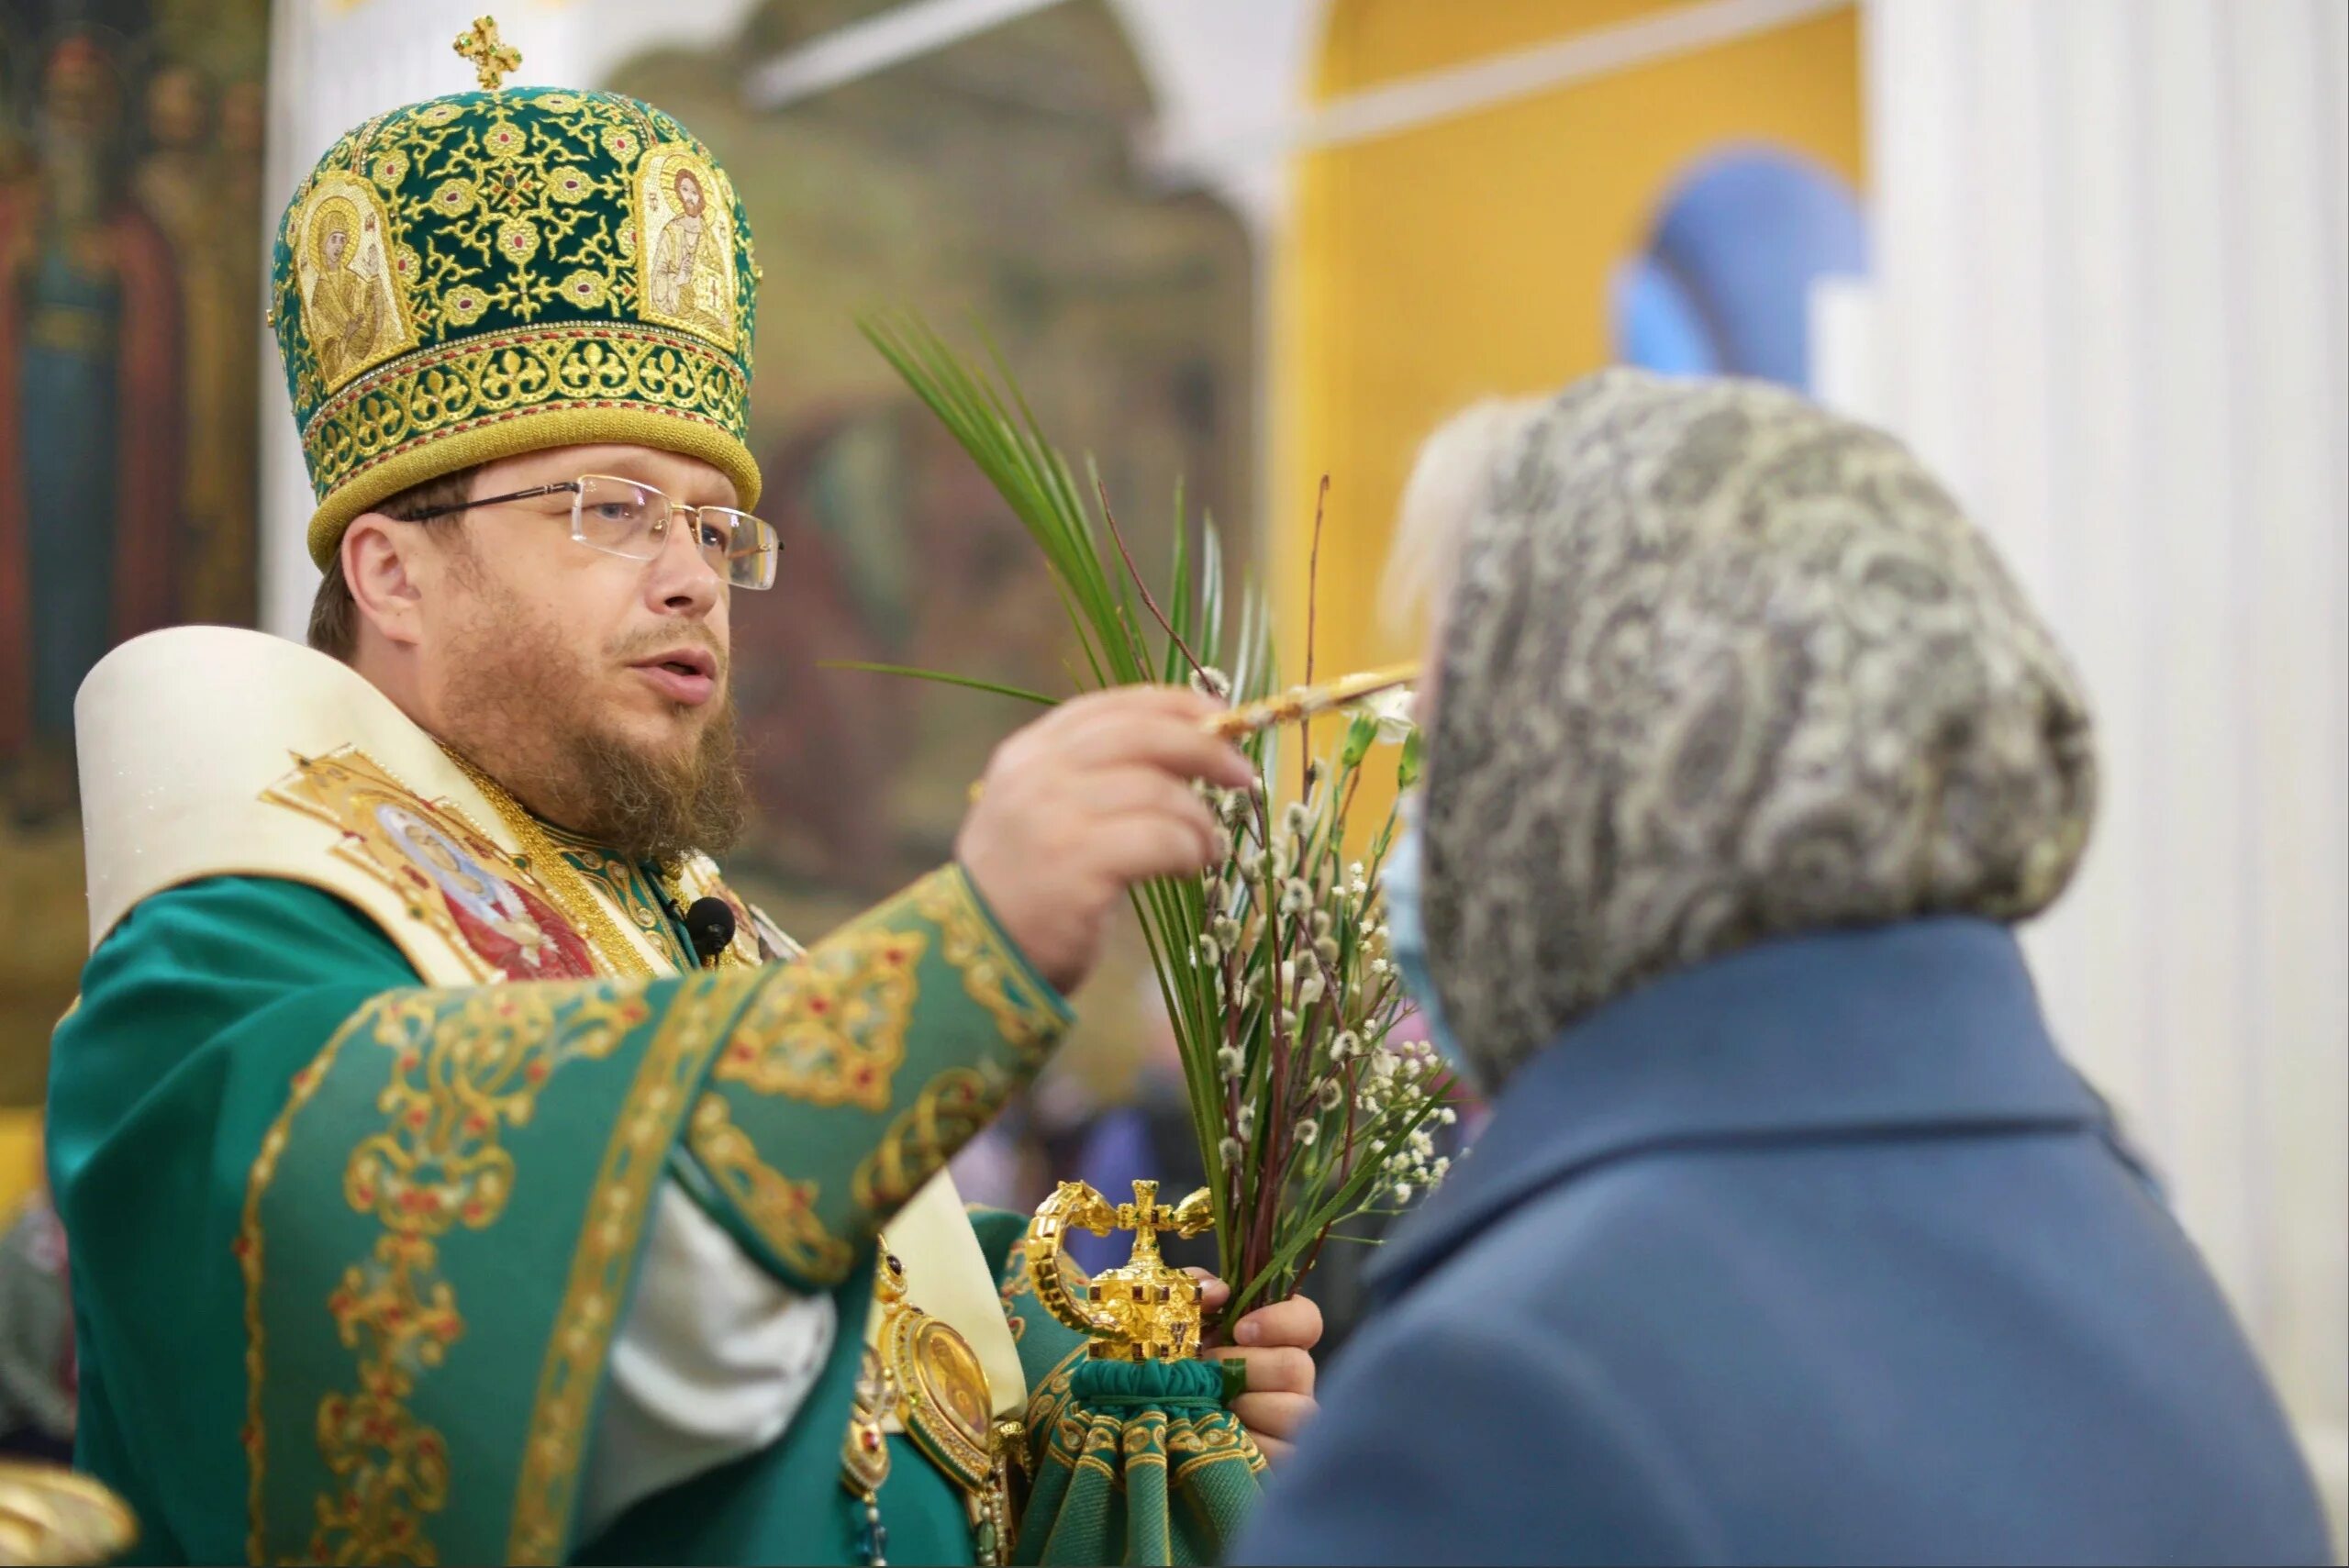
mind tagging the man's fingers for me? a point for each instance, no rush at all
(1281, 1369)
(1174, 744)
(1135, 792)
(1213, 1292)
(1078, 713)
(1277, 1417)
(1296, 1321)
(1138, 848)
(1051, 851)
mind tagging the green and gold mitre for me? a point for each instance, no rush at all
(499, 271)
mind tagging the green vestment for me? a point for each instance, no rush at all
(348, 1252)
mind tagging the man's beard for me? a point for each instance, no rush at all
(656, 809)
(517, 707)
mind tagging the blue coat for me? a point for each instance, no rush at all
(1817, 1253)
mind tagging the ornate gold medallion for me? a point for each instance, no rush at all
(947, 1409)
(945, 1394)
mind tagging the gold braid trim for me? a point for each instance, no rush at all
(628, 890)
(450, 386)
(951, 1108)
(781, 1210)
(566, 885)
(247, 1250)
(545, 1496)
(1196, 1443)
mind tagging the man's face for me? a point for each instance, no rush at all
(574, 675)
(689, 194)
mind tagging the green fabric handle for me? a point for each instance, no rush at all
(1171, 1386)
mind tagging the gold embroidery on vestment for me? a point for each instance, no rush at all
(830, 1029)
(460, 1074)
(247, 1248)
(699, 1011)
(564, 883)
(434, 861)
(579, 373)
(951, 1108)
(781, 1211)
(995, 977)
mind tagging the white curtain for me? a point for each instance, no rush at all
(2109, 305)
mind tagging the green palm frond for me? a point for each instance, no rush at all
(1253, 1062)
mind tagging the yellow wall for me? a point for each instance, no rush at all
(19, 1158)
(1471, 256)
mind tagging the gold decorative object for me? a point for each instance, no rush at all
(1143, 1311)
(1304, 702)
(493, 58)
(51, 1515)
(864, 1454)
(924, 1379)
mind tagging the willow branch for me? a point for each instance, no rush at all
(1313, 604)
(1135, 572)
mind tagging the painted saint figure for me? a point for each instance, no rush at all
(683, 258)
(505, 925)
(191, 166)
(90, 422)
(346, 308)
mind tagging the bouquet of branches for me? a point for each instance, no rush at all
(1274, 967)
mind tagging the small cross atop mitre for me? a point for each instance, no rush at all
(493, 58)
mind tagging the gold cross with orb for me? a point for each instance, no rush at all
(1146, 1217)
(493, 58)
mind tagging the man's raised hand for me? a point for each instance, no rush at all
(1090, 799)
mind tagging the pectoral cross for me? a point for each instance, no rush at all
(493, 59)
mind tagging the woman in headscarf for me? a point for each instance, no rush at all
(1793, 1238)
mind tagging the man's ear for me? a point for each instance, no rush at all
(380, 556)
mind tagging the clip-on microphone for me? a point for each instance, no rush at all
(709, 925)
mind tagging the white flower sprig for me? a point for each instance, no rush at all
(1314, 1114)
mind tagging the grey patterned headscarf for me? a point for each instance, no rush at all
(1720, 666)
